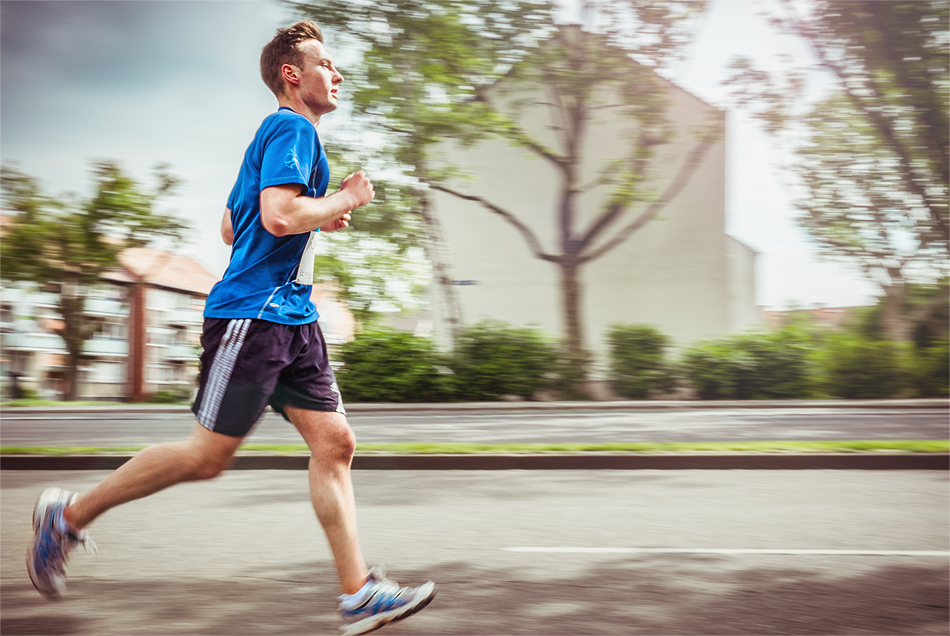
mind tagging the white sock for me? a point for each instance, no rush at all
(349, 601)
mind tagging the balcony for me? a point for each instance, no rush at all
(106, 307)
(40, 342)
(106, 347)
(183, 318)
(180, 353)
(37, 342)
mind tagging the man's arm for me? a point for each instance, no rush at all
(227, 232)
(285, 211)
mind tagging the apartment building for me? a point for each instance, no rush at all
(147, 342)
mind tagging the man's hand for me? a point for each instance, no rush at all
(339, 224)
(359, 188)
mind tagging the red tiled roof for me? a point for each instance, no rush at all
(165, 269)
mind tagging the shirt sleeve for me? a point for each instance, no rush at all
(289, 153)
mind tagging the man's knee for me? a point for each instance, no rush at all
(211, 454)
(209, 467)
(337, 444)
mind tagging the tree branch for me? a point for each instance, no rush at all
(679, 182)
(526, 233)
(876, 118)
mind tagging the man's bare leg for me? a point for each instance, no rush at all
(204, 456)
(331, 445)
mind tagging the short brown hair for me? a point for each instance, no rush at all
(283, 50)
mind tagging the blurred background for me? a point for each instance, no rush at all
(576, 200)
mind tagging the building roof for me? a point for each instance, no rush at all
(153, 266)
(165, 269)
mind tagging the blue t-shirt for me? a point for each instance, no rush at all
(259, 280)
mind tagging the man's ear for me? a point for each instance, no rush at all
(290, 74)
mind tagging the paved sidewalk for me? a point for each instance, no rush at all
(558, 553)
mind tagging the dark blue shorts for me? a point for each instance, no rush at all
(247, 364)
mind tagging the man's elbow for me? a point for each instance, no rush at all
(274, 223)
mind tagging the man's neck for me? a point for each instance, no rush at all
(298, 107)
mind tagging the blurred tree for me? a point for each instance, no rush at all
(65, 244)
(430, 72)
(378, 261)
(871, 157)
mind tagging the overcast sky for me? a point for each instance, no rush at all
(178, 82)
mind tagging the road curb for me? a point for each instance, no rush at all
(461, 407)
(731, 461)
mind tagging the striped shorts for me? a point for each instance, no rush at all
(247, 364)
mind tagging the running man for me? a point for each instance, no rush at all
(262, 345)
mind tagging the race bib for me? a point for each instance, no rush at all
(305, 268)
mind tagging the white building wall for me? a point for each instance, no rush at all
(674, 273)
(744, 313)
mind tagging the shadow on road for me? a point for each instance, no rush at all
(633, 595)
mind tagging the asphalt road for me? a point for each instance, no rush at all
(597, 552)
(37, 428)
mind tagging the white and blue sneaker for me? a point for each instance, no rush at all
(381, 601)
(53, 538)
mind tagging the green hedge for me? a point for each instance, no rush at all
(856, 368)
(493, 359)
(387, 365)
(753, 366)
(932, 371)
(638, 366)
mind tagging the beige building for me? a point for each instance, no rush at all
(680, 272)
(149, 337)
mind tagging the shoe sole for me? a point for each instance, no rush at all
(371, 624)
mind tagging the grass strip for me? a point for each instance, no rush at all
(859, 446)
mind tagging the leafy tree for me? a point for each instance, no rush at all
(430, 71)
(64, 244)
(378, 261)
(871, 157)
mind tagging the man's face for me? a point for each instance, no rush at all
(319, 79)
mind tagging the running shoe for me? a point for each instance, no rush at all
(381, 601)
(53, 538)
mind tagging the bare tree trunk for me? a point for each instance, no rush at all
(894, 326)
(576, 374)
(571, 300)
(440, 268)
(71, 306)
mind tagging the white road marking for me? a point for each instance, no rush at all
(728, 551)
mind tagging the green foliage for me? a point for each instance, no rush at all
(932, 370)
(855, 368)
(637, 361)
(387, 365)
(871, 156)
(64, 244)
(492, 359)
(378, 261)
(752, 366)
(176, 395)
